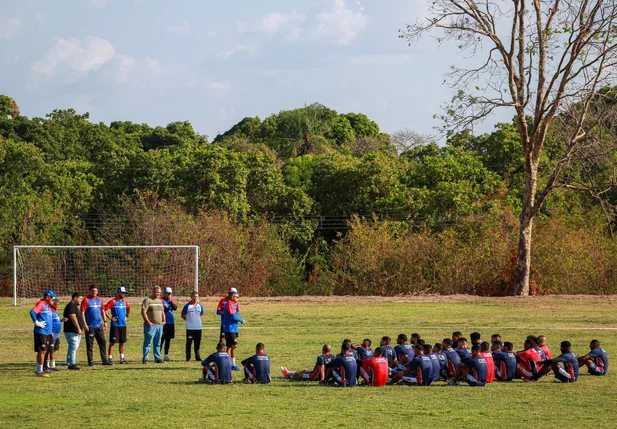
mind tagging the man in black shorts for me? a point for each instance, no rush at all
(120, 311)
(230, 327)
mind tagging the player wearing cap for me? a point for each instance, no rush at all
(217, 367)
(92, 309)
(343, 369)
(257, 367)
(154, 318)
(120, 310)
(219, 310)
(374, 371)
(568, 373)
(192, 312)
(73, 329)
(230, 326)
(169, 329)
(41, 317)
(54, 346)
(596, 360)
(472, 371)
(505, 361)
(318, 373)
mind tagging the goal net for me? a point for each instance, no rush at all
(68, 269)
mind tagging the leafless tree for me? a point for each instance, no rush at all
(406, 139)
(537, 57)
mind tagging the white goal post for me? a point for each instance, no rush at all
(68, 269)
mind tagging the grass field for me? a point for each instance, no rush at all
(167, 395)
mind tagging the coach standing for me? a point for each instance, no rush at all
(41, 316)
(92, 310)
(154, 318)
(169, 329)
(230, 326)
(73, 328)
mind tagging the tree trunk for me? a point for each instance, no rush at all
(523, 268)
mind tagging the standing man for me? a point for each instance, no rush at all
(41, 316)
(257, 367)
(230, 326)
(192, 312)
(92, 310)
(154, 318)
(54, 346)
(73, 329)
(169, 329)
(120, 310)
(219, 310)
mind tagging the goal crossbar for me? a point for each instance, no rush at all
(17, 247)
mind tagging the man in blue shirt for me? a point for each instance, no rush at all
(403, 352)
(453, 360)
(95, 324)
(120, 311)
(363, 351)
(41, 317)
(217, 367)
(472, 371)
(230, 320)
(428, 351)
(443, 360)
(596, 360)
(568, 373)
(319, 371)
(419, 371)
(54, 346)
(387, 350)
(505, 360)
(343, 369)
(463, 349)
(169, 328)
(257, 367)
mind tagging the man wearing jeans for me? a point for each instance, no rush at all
(153, 314)
(73, 329)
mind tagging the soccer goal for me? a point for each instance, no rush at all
(68, 269)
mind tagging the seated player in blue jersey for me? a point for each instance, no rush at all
(455, 336)
(476, 338)
(568, 373)
(257, 367)
(505, 360)
(351, 350)
(318, 373)
(387, 350)
(472, 371)
(453, 360)
(217, 367)
(343, 369)
(403, 352)
(596, 360)
(414, 339)
(419, 371)
(363, 352)
(443, 360)
(428, 351)
(463, 349)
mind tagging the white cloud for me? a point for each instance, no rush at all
(124, 65)
(243, 27)
(179, 30)
(9, 27)
(220, 86)
(98, 3)
(225, 55)
(74, 58)
(284, 23)
(147, 73)
(340, 23)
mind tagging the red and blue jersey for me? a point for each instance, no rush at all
(478, 369)
(570, 364)
(540, 351)
(452, 360)
(92, 307)
(322, 360)
(423, 367)
(547, 351)
(119, 309)
(259, 366)
(505, 365)
(56, 323)
(436, 366)
(220, 363)
(403, 353)
(530, 358)
(42, 313)
(346, 367)
(600, 359)
(377, 370)
(230, 318)
(490, 365)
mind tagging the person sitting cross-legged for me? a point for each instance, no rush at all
(257, 367)
(217, 367)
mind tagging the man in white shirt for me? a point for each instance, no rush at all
(192, 312)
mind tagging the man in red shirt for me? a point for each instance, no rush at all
(544, 347)
(219, 310)
(527, 361)
(485, 348)
(374, 371)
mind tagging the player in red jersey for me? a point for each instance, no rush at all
(374, 371)
(219, 310)
(544, 347)
(527, 361)
(485, 352)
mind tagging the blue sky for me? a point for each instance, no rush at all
(214, 62)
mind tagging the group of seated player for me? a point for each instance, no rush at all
(452, 360)
(217, 368)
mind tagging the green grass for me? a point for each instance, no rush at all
(167, 395)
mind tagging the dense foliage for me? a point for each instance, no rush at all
(305, 201)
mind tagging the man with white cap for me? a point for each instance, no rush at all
(169, 330)
(230, 326)
(41, 317)
(219, 310)
(120, 310)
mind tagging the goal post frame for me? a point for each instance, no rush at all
(22, 246)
